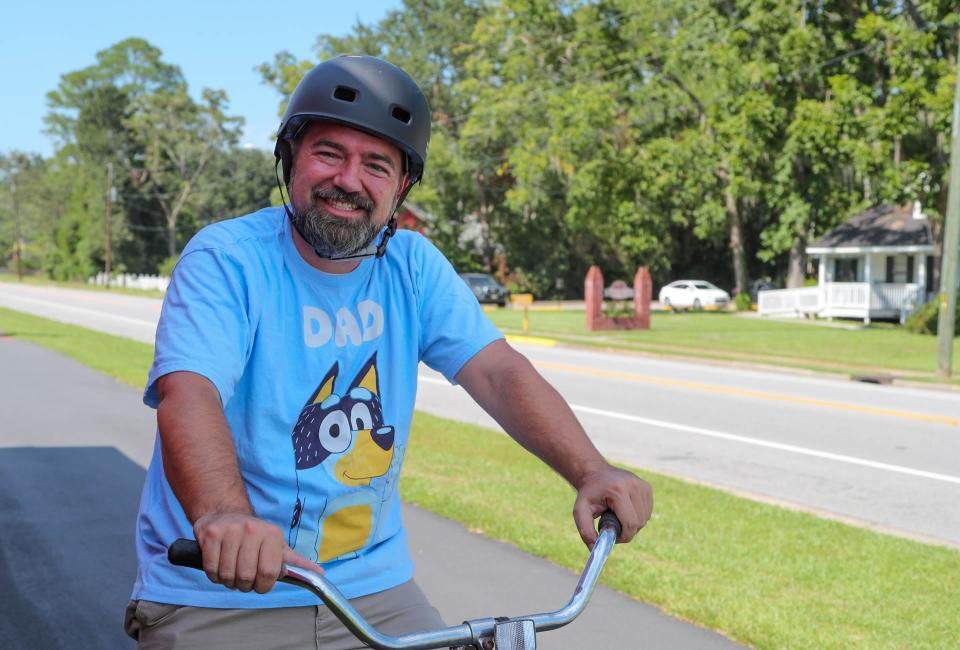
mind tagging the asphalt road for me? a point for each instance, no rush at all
(884, 457)
(123, 315)
(73, 448)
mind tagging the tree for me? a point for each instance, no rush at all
(866, 126)
(713, 137)
(87, 120)
(133, 111)
(24, 204)
(88, 106)
(177, 138)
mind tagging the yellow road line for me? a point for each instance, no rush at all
(744, 392)
(532, 340)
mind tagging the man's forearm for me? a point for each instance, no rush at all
(510, 389)
(200, 462)
(533, 413)
(199, 457)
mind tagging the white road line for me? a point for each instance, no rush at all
(805, 451)
(83, 310)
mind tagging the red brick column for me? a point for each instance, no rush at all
(593, 296)
(642, 296)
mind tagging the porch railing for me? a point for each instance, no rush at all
(842, 299)
(131, 281)
(782, 302)
(895, 297)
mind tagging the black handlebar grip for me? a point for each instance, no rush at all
(185, 552)
(608, 519)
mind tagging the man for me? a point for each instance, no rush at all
(284, 379)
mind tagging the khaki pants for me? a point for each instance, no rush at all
(157, 626)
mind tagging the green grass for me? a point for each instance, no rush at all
(125, 359)
(723, 335)
(765, 576)
(40, 280)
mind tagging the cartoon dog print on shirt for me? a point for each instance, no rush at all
(339, 436)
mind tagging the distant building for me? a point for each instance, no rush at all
(412, 217)
(877, 264)
(885, 244)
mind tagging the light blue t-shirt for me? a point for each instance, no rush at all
(317, 374)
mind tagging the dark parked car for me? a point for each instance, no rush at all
(756, 287)
(485, 288)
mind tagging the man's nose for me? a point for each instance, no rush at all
(348, 176)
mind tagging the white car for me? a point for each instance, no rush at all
(693, 294)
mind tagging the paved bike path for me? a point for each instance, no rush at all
(73, 447)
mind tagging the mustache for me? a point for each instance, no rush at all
(336, 194)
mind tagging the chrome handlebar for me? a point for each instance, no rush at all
(482, 633)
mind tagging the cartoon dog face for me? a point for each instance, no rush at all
(345, 432)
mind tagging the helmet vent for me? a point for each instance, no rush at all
(345, 94)
(401, 114)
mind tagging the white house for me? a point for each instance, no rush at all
(878, 264)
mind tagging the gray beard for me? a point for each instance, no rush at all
(332, 236)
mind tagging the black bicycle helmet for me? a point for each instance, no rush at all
(365, 93)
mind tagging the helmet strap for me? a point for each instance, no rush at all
(276, 173)
(405, 186)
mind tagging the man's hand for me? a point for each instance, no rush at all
(243, 552)
(630, 498)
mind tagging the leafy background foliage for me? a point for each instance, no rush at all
(710, 138)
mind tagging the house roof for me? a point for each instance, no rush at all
(417, 212)
(882, 226)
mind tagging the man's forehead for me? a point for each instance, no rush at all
(348, 137)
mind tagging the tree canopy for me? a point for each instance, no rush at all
(707, 137)
(711, 138)
(174, 160)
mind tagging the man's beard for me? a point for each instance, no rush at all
(332, 236)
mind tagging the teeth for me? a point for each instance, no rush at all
(343, 205)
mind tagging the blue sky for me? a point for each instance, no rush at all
(216, 43)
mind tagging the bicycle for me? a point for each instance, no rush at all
(491, 633)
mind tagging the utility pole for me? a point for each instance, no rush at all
(17, 252)
(951, 243)
(108, 253)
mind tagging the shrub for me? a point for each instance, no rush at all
(618, 309)
(743, 302)
(924, 319)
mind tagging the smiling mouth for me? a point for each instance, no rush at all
(342, 205)
(343, 209)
